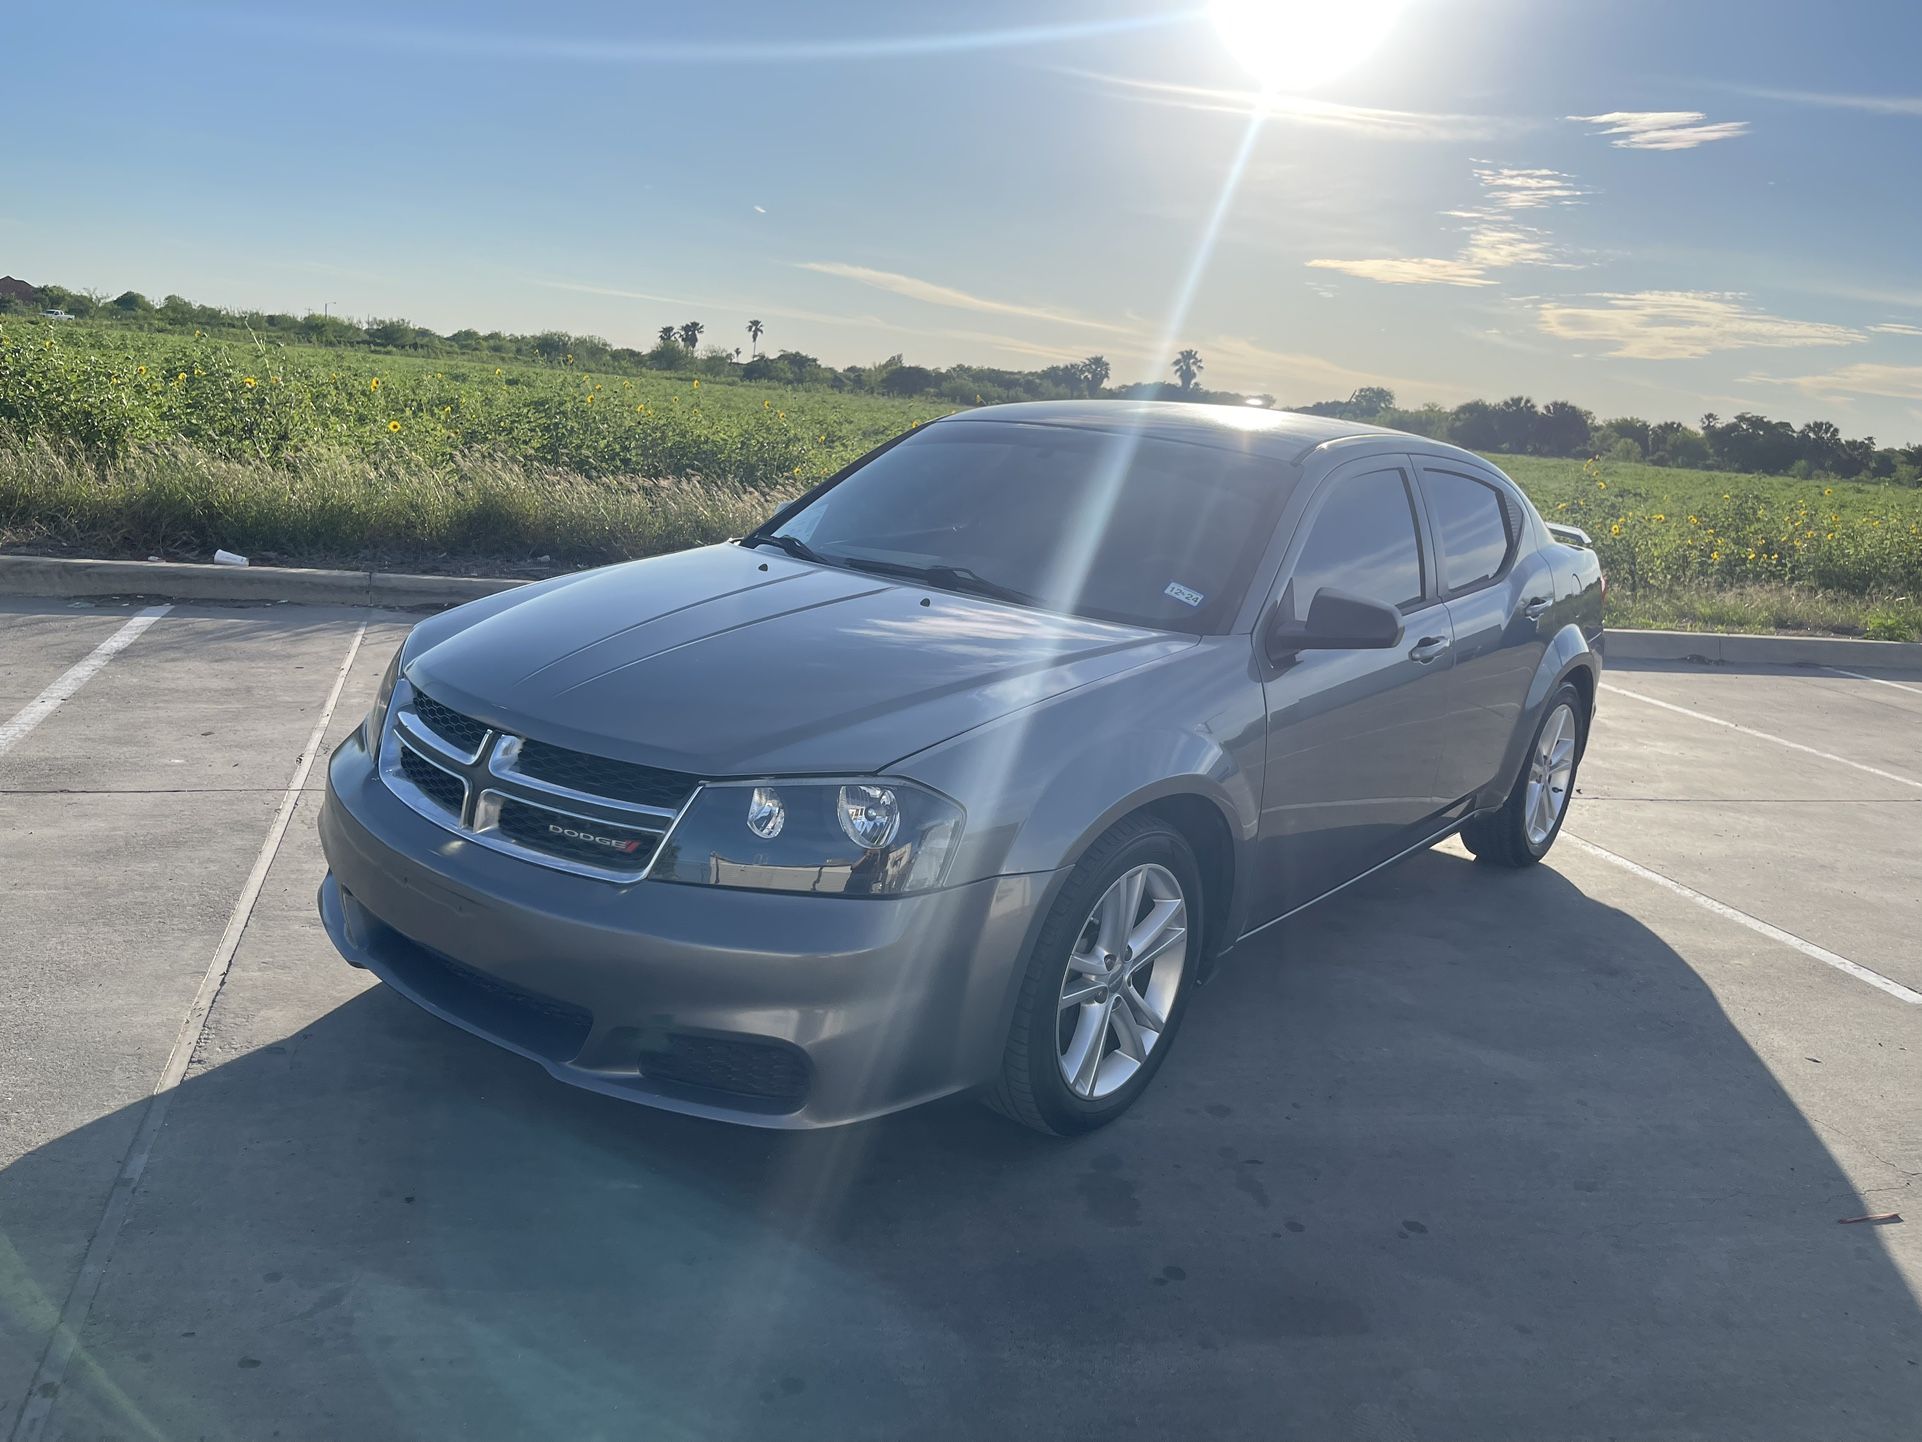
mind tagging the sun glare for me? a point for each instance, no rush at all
(1302, 43)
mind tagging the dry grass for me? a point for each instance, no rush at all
(1762, 607)
(328, 507)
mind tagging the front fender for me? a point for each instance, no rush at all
(1040, 785)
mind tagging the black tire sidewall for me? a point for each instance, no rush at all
(1064, 1112)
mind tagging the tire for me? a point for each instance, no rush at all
(1048, 1035)
(1513, 835)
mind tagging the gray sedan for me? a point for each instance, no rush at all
(966, 769)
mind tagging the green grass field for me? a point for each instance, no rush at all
(1724, 551)
(124, 443)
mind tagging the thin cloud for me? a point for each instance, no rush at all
(1845, 290)
(1661, 129)
(1296, 109)
(1246, 365)
(1496, 241)
(1409, 270)
(1034, 350)
(934, 293)
(1865, 378)
(760, 210)
(1897, 328)
(1681, 325)
(618, 50)
(1511, 188)
(1875, 104)
(1013, 345)
(694, 302)
(1497, 247)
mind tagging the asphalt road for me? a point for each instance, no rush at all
(1459, 1154)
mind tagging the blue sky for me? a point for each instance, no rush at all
(1737, 226)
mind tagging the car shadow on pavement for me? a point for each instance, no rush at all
(1459, 1155)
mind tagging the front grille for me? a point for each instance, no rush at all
(463, 733)
(603, 776)
(445, 791)
(766, 1074)
(590, 842)
(544, 803)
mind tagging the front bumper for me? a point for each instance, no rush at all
(770, 1008)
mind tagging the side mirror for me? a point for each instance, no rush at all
(1336, 621)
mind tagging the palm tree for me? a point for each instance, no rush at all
(1187, 366)
(1094, 370)
(667, 335)
(754, 329)
(691, 334)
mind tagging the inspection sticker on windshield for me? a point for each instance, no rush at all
(1182, 594)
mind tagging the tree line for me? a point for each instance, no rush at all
(1517, 425)
(1746, 441)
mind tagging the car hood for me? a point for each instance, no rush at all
(728, 662)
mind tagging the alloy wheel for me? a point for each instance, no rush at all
(1550, 770)
(1121, 981)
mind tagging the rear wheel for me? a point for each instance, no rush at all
(1520, 833)
(1106, 984)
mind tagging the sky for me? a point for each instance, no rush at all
(1650, 207)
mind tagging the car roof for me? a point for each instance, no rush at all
(1284, 435)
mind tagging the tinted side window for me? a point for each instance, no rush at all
(1471, 525)
(1363, 541)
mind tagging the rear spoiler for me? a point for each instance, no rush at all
(1573, 535)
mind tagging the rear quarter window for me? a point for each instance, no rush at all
(1475, 528)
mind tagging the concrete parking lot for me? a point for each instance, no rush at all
(1459, 1154)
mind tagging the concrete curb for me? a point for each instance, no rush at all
(60, 576)
(1721, 648)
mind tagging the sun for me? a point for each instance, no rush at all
(1302, 43)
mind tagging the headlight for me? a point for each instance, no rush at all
(842, 838)
(376, 720)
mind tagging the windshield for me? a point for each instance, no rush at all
(1113, 526)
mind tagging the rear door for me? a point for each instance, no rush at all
(1497, 588)
(1353, 742)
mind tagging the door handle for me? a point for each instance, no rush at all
(1536, 607)
(1427, 649)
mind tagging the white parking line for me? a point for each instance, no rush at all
(74, 677)
(32, 1420)
(1764, 735)
(1912, 690)
(1755, 923)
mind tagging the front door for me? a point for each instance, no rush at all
(1354, 740)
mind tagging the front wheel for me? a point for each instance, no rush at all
(1106, 984)
(1520, 833)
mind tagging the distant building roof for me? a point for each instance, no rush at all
(14, 289)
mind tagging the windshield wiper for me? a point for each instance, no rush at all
(952, 578)
(793, 545)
